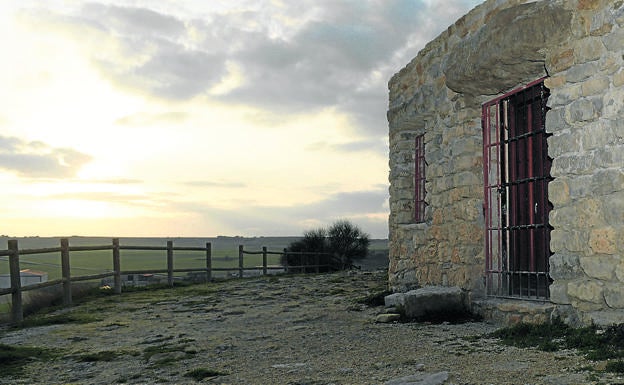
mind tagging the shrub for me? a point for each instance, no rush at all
(313, 242)
(201, 373)
(335, 248)
(348, 241)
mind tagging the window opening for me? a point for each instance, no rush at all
(516, 170)
(419, 179)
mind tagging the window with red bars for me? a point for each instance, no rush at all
(419, 180)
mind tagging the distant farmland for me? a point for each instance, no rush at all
(224, 253)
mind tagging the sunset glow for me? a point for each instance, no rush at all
(201, 118)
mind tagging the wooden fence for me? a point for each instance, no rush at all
(16, 289)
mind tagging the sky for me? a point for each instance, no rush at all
(197, 118)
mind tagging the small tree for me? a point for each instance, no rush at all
(313, 241)
(343, 240)
(347, 241)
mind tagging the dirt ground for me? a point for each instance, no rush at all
(311, 329)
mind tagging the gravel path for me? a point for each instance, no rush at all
(276, 330)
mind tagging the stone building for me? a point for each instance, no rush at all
(507, 161)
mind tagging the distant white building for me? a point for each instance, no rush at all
(27, 277)
(133, 280)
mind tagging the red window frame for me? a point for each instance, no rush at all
(420, 165)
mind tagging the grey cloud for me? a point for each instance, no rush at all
(38, 160)
(134, 21)
(369, 145)
(171, 72)
(342, 57)
(143, 50)
(327, 62)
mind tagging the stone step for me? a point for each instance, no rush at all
(428, 301)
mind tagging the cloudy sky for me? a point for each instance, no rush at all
(201, 118)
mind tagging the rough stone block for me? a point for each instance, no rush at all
(563, 217)
(588, 49)
(394, 300)
(582, 72)
(559, 293)
(613, 41)
(562, 143)
(565, 95)
(594, 86)
(420, 379)
(613, 101)
(614, 208)
(605, 318)
(466, 178)
(614, 296)
(596, 135)
(603, 240)
(587, 290)
(618, 13)
(581, 187)
(608, 181)
(555, 82)
(608, 157)
(599, 267)
(582, 110)
(555, 121)
(568, 240)
(428, 301)
(520, 31)
(561, 61)
(564, 267)
(589, 213)
(618, 78)
(559, 192)
(387, 318)
(584, 5)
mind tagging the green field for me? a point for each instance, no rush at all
(95, 262)
(224, 254)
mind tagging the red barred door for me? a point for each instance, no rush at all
(517, 171)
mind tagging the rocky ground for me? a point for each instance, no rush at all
(275, 330)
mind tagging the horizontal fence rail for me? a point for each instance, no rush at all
(16, 289)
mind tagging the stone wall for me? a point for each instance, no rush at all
(498, 46)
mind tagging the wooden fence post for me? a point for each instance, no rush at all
(286, 260)
(240, 261)
(208, 261)
(66, 272)
(317, 262)
(170, 263)
(116, 266)
(17, 313)
(264, 260)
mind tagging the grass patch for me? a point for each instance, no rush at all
(615, 366)
(199, 374)
(13, 358)
(104, 355)
(376, 298)
(151, 351)
(594, 343)
(58, 319)
(5, 307)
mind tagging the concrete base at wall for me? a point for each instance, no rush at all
(510, 312)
